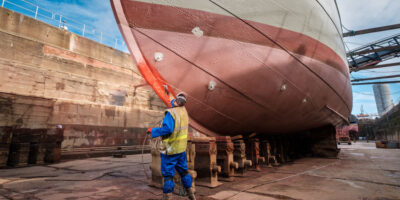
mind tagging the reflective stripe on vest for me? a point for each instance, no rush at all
(177, 141)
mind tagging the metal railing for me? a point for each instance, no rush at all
(28, 8)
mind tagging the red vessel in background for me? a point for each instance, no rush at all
(345, 134)
(264, 66)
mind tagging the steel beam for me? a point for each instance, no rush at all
(355, 69)
(371, 30)
(374, 78)
(370, 83)
(374, 50)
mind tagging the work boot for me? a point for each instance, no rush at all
(167, 196)
(190, 193)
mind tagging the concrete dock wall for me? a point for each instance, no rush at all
(52, 77)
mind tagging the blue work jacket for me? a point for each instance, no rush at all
(167, 127)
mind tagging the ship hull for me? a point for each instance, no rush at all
(268, 79)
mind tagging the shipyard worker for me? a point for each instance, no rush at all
(174, 132)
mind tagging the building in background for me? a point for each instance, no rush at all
(383, 98)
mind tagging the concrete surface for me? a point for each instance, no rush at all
(361, 172)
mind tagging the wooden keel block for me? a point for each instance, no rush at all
(239, 156)
(225, 158)
(267, 154)
(206, 162)
(253, 153)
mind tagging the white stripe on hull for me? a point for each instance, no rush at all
(302, 16)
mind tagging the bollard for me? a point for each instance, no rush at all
(239, 155)
(206, 162)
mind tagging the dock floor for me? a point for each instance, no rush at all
(361, 172)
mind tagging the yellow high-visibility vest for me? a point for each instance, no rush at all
(177, 141)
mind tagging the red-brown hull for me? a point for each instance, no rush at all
(260, 87)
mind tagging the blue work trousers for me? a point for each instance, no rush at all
(170, 163)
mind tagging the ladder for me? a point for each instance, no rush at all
(374, 53)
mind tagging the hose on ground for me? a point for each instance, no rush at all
(152, 146)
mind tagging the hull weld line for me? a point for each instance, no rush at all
(207, 72)
(283, 48)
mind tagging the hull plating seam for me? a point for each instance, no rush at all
(207, 72)
(290, 53)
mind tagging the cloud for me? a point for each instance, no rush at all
(369, 108)
(95, 14)
(363, 96)
(363, 14)
(367, 13)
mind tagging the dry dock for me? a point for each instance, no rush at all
(361, 172)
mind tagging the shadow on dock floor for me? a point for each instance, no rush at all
(361, 172)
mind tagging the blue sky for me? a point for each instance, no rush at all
(355, 14)
(362, 14)
(97, 16)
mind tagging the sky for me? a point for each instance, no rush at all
(99, 20)
(97, 16)
(363, 14)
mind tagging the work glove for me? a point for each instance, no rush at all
(149, 130)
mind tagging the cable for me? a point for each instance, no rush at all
(144, 142)
(368, 94)
(346, 28)
(144, 168)
(347, 47)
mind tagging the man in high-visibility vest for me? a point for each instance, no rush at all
(174, 133)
